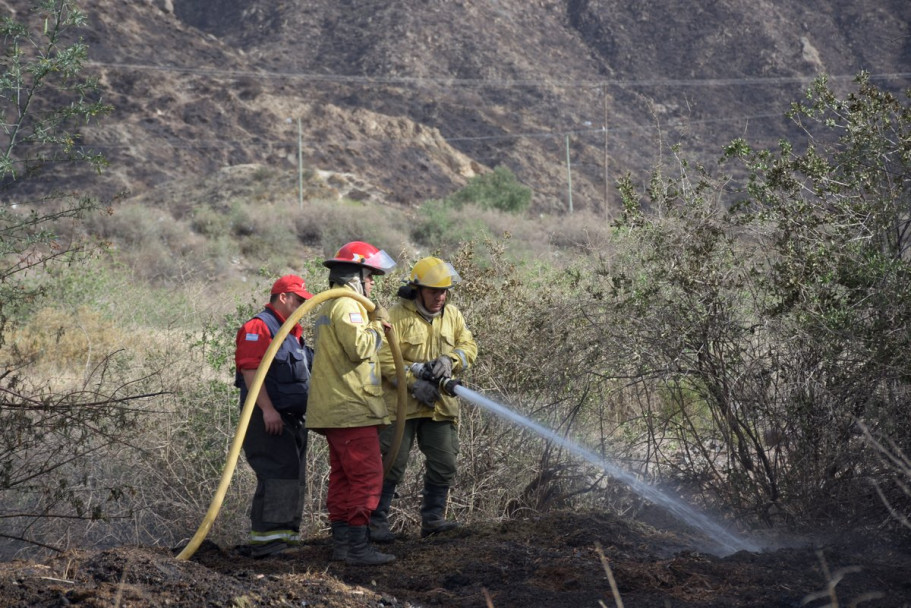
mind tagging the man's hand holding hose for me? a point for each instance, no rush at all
(382, 315)
(437, 372)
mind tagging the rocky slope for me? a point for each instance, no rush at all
(415, 96)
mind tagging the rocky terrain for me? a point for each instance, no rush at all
(417, 96)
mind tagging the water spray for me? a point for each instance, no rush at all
(728, 542)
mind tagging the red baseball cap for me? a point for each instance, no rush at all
(291, 283)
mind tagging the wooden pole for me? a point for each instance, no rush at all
(606, 157)
(569, 175)
(300, 166)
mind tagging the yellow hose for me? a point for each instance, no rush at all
(250, 403)
(401, 401)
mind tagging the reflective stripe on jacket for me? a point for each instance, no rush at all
(345, 387)
(420, 341)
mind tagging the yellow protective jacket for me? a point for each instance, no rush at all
(422, 341)
(345, 385)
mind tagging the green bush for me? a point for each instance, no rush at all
(756, 339)
(439, 225)
(498, 189)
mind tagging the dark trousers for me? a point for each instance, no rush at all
(279, 462)
(437, 440)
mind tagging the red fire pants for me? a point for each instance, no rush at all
(355, 474)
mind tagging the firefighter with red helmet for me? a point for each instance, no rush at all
(346, 399)
(436, 346)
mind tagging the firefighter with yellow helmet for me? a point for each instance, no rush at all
(436, 346)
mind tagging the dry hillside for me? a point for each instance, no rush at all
(418, 95)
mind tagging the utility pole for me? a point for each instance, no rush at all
(606, 175)
(300, 166)
(569, 176)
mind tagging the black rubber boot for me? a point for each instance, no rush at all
(361, 552)
(339, 541)
(432, 509)
(379, 519)
(268, 549)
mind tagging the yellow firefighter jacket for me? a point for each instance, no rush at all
(420, 341)
(345, 385)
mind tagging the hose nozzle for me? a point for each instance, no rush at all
(446, 384)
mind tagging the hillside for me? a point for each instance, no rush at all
(417, 96)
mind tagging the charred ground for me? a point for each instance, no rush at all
(552, 560)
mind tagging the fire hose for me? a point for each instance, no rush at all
(256, 386)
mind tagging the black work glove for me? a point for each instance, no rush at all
(425, 392)
(440, 368)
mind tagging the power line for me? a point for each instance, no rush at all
(478, 82)
(198, 144)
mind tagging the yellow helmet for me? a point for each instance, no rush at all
(434, 272)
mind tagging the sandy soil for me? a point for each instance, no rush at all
(552, 560)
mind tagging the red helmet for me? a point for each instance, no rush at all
(363, 254)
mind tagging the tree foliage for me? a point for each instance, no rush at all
(51, 437)
(43, 98)
(760, 334)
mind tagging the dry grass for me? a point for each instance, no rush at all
(64, 346)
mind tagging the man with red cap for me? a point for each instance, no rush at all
(276, 441)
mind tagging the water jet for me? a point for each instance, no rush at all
(727, 542)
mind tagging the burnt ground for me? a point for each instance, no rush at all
(552, 561)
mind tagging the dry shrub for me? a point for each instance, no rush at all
(132, 225)
(65, 342)
(532, 360)
(153, 479)
(79, 399)
(444, 228)
(330, 224)
(211, 241)
(157, 248)
(893, 479)
(528, 237)
(581, 232)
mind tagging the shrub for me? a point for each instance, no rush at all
(505, 469)
(756, 339)
(346, 220)
(52, 437)
(441, 226)
(65, 341)
(582, 232)
(498, 189)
